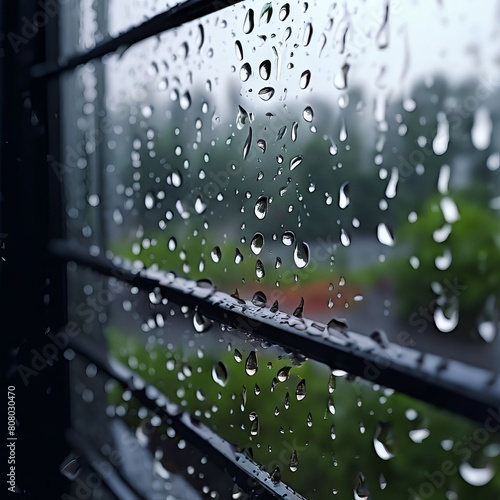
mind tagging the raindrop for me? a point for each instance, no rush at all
(450, 210)
(267, 12)
(307, 35)
(344, 238)
(185, 100)
(261, 143)
(344, 199)
(331, 405)
(443, 262)
(308, 114)
(309, 420)
(305, 78)
(259, 269)
(294, 461)
(283, 374)
(295, 127)
(172, 244)
(332, 383)
(237, 356)
(276, 475)
(216, 254)
(239, 50)
(418, 435)
(340, 79)
(383, 441)
(266, 93)
(256, 390)
(254, 427)
(275, 307)
(281, 133)
(286, 404)
(446, 323)
(442, 138)
(248, 144)
(245, 72)
(265, 69)
(149, 201)
(260, 209)
(384, 235)
(284, 12)
(476, 476)
(382, 482)
(220, 374)
(199, 205)
(444, 179)
(301, 254)
(278, 263)
(299, 311)
(288, 238)
(481, 129)
(249, 24)
(390, 191)
(382, 37)
(238, 257)
(259, 299)
(200, 323)
(295, 162)
(300, 392)
(257, 243)
(251, 364)
(361, 491)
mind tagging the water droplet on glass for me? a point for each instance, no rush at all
(266, 93)
(275, 307)
(199, 205)
(259, 299)
(257, 243)
(149, 201)
(261, 143)
(300, 309)
(307, 34)
(295, 162)
(265, 69)
(361, 491)
(248, 144)
(442, 138)
(340, 79)
(294, 461)
(239, 50)
(308, 114)
(344, 199)
(294, 130)
(249, 23)
(216, 254)
(331, 405)
(254, 427)
(301, 254)
(185, 100)
(220, 374)
(481, 129)
(450, 210)
(286, 402)
(266, 13)
(300, 392)
(344, 238)
(476, 476)
(260, 272)
(332, 383)
(245, 72)
(305, 78)
(288, 238)
(449, 321)
(384, 235)
(260, 209)
(237, 356)
(200, 323)
(276, 475)
(418, 435)
(251, 364)
(283, 374)
(238, 257)
(284, 12)
(383, 441)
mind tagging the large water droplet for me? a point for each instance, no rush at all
(216, 254)
(308, 114)
(283, 373)
(288, 238)
(284, 12)
(260, 209)
(251, 364)
(265, 69)
(300, 392)
(245, 72)
(476, 476)
(261, 144)
(238, 257)
(260, 271)
(361, 491)
(266, 93)
(259, 299)
(305, 78)
(383, 441)
(344, 199)
(200, 323)
(299, 310)
(257, 243)
(249, 23)
(295, 162)
(220, 373)
(266, 13)
(384, 235)
(301, 254)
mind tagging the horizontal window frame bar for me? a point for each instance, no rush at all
(113, 479)
(182, 13)
(247, 473)
(424, 376)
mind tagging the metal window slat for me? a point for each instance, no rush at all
(172, 18)
(463, 389)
